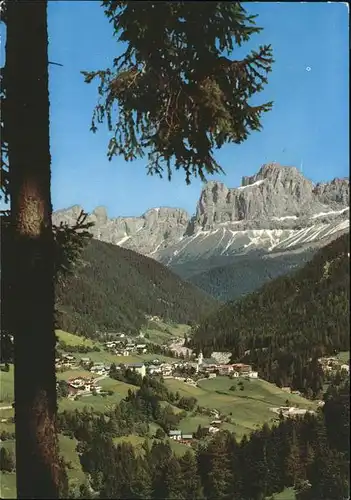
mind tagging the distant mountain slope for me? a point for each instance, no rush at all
(247, 273)
(289, 320)
(114, 288)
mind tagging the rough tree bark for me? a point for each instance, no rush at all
(39, 471)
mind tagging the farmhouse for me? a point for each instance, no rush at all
(175, 435)
(122, 352)
(216, 423)
(138, 368)
(186, 439)
(154, 369)
(80, 382)
(68, 357)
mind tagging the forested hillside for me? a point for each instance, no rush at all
(285, 326)
(114, 288)
(247, 273)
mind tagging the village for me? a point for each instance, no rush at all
(184, 367)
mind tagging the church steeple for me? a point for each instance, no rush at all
(200, 360)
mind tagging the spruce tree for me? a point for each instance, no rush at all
(178, 93)
(190, 479)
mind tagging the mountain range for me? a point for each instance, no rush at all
(271, 224)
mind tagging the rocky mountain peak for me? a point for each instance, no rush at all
(101, 214)
(273, 205)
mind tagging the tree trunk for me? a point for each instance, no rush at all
(32, 282)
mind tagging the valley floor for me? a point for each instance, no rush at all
(243, 407)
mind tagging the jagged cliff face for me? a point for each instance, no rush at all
(157, 228)
(274, 194)
(278, 208)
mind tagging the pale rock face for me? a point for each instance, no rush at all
(336, 191)
(275, 208)
(275, 191)
(153, 229)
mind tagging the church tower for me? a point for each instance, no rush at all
(200, 361)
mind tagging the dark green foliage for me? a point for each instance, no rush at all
(187, 403)
(160, 434)
(115, 288)
(62, 389)
(288, 323)
(7, 460)
(337, 415)
(176, 91)
(242, 275)
(125, 375)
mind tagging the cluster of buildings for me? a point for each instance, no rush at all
(187, 438)
(67, 362)
(124, 346)
(79, 386)
(291, 411)
(97, 368)
(211, 366)
(100, 368)
(333, 364)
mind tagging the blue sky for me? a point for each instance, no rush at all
(309, 122)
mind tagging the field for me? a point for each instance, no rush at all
(67, 449)
(138, 441)
(287, 494)
(248, 409)
(73, 340)
(344, 356)
(7, 485)
(6, 387)
(66, 375)
(160, 333)
(103, 356)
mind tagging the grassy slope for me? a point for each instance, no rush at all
(249, 408)
(104, 356)
(67, 449)
(74, 340)
(160, 332)
(287, 494)
(6, 387)
(138, 441)
(344, 356)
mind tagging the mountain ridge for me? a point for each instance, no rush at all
(288, 322)
(114, 288)
(277, 209)
(277, 198)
